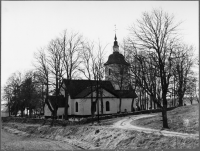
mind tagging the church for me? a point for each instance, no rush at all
(116, 95)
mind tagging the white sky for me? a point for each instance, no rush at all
(28, 26)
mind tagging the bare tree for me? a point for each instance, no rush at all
(8, 94)
(93, 69)
(99, 74)
(144, 72)
(88, 66)
(30, 92)
(120, 78)
(191, 88)
(182, 69)
(43, 73)
(15, 103)
(70, 45)
(157, 33)
(56, 68)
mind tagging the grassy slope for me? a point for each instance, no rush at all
(93, 137)
(176, 120)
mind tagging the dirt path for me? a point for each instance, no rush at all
(126, 124)
(11, 141)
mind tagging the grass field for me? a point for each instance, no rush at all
(87, 136)
(182, 119)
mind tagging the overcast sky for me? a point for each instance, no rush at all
(28, 26)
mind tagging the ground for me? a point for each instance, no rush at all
(124, 133)
(10, 141)
(183, 119)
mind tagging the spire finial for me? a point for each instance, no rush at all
(115, 34)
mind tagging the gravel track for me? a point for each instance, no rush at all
(126, 124)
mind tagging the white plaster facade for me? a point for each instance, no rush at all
(84, 105)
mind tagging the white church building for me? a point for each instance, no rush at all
(114, 88)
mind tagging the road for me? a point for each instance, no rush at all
(11, 141)
(126, 124)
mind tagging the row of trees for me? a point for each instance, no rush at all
(160, 66)
(68, 56)
(23, 91)
(158, 58)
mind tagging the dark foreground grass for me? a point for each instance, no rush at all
(182, 119)
(98, 137)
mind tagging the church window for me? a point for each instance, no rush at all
(107, 106)
(76, 106)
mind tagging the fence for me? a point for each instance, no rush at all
(57, 122)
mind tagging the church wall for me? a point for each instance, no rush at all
(62, 92)
(70, 105)
(4, 114)
(113, 105)
(47, 112)
(85, 106)
(126, 104)
(60, 111)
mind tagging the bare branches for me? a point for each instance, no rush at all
(155, 36)
(71, 45)
(92, 63)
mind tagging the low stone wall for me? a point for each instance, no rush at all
(80, 121)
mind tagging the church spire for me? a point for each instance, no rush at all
(115, 47)
(115, 36)
(115, 42)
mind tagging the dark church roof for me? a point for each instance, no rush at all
(59, 103)
(116, 58)
(80, 88)
(126, 93)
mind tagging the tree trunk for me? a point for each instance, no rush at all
(164, 111)
(180, 100)
(9, 111)
(120, 103)
(132, 103)
(140, 100)
(30, 112)
(164, 116)
(145, 101)
(101, 101)
(92, 105)
(191, 101)
(66, 104)
(154, 103)
(22, 114)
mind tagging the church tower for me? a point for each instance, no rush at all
(117, 69)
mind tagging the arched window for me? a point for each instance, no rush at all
(76, 106)
(107, 106)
